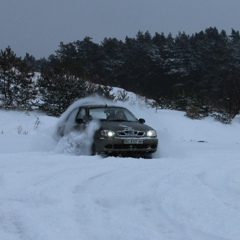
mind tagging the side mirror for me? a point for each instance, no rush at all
(79, 120)
(141, 120)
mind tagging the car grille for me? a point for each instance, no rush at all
(131, 133)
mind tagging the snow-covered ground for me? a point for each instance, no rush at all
(189, 190)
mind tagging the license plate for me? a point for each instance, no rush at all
(132, 141)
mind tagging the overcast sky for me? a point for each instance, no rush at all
(38, 26)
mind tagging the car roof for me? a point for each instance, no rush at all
(99, 106)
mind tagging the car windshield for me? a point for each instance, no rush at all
(112, 114)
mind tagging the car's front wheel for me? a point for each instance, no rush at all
(147, 155)
(93, 150)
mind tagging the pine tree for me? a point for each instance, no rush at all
(111, 62)
(16, 85)
(58, 91)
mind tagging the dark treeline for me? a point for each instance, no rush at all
(199, 73)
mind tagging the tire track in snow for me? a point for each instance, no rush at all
(101, 201)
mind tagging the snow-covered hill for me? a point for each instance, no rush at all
(190, 190)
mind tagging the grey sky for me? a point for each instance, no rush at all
(38, 26)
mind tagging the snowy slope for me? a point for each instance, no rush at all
(190, 190)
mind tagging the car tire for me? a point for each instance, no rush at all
(147, 155)
(93, 150)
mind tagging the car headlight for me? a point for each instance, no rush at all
(107, 133)
(151, 133)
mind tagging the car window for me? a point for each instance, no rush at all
(130, 116)
(81, 114)
(70, 122)
(72, 116)
(97, 113)
(124, 114)
(112, 113)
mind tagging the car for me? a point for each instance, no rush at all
(119, 132)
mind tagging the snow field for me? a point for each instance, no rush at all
(190, 190)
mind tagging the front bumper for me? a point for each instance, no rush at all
(126, 145)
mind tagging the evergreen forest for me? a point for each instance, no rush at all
(198, 73)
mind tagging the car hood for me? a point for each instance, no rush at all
(124, 126)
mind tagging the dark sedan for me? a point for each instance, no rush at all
(119, 131)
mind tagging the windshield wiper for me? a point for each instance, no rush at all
(119, 120)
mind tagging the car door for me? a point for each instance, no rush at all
(80, 120)
(70, 121)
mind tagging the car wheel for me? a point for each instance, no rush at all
(93, 150)
(147, 155)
